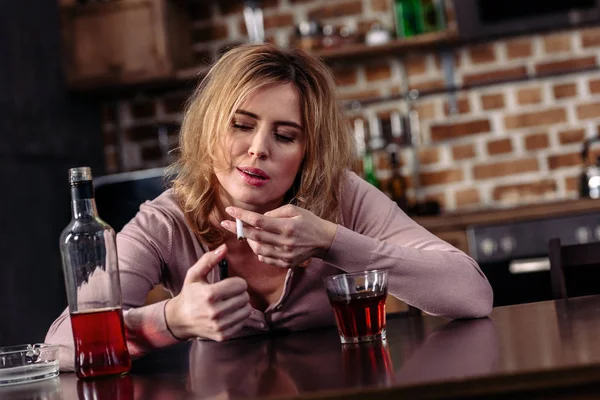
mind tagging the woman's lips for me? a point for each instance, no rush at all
(253, 176)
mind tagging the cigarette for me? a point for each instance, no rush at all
(240, 229)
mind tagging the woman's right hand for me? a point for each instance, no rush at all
(213, 311)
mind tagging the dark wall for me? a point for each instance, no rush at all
(44, 130)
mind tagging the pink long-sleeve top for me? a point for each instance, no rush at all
(157, 246)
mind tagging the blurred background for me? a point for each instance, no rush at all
(480, 121)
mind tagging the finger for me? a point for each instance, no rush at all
(235, 318)
(199, 271)
(255, 219)
(284, 253)
(286, 211)
(275, 262)
(230, 331)
(228, 288)
(231, 305)
(258, 235)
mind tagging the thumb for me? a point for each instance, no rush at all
(200, 270)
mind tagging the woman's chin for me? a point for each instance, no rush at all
(254, 204)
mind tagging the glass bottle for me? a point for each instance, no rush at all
(369, 169)
(400, 128)
(409, 18)
(364, 152)
(433, 15)
(396, 186)
(89, 258)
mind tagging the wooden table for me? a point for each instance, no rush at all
(538, 350)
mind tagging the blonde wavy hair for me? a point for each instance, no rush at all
(208, 116)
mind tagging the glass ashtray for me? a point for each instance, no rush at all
(28, 363)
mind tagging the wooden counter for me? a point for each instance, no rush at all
(452, 227)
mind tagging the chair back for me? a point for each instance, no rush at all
(574, 269)
(119, 196)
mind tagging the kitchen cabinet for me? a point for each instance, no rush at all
(124, 42)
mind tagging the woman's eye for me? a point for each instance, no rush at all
(242, 127)
(284, 138)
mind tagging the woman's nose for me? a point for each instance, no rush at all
(259, 147)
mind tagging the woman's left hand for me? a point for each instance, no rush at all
(286, 236)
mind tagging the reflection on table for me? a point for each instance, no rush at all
(301, 363)
(316, 361)
(537, 350)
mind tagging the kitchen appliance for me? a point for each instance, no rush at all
(514, 256)
(589, 180)
(478, 19)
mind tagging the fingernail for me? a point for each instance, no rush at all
(220, 249)
(230, 210)
(224, 224)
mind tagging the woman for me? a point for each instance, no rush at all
(264, 141)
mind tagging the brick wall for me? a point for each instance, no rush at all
(508, 143)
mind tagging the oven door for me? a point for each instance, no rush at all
(514, 256)
(519, 281)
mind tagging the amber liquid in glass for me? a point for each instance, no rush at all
(100, 347)
(360, 314)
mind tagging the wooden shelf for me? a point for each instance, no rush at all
(186, 76)
(356, 51)
(361, 50)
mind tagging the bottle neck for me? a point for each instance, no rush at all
(83, 204)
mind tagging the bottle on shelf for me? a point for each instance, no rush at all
(369, 169)
(376, 141)
(434, 15)
(396, 184)
(408, 18)
(414, 17)
(400, 128)
(364, 152)
(90, 266)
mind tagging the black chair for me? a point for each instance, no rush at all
(574, 269)
(119, 196)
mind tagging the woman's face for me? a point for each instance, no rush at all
(265, 145)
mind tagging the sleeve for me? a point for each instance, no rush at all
(425, 271)
(144, 248)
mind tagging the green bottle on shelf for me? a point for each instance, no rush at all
(414, 17)
(409, 18)
(369, 169)
(364, 152)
